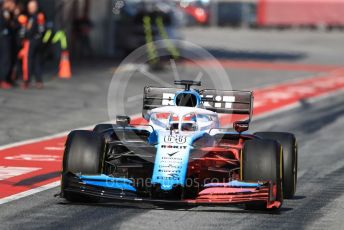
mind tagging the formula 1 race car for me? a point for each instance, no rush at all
(182, 156)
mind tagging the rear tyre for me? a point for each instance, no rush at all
(84, 153)
(288, 142)
(262, 160)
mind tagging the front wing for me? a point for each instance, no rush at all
(120, 190)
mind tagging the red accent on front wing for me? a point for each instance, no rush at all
(225, 191)
(273, 204)
(235, 197)
(227, 195)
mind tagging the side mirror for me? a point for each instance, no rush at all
(241, 126)
(122, 120)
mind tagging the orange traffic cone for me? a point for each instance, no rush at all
(65, 70)
(24, 55)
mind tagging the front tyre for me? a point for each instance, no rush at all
(261, 160)
(84, 154)
(288, 142)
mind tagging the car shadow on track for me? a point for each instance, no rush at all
(299, 197)
(37, 179)
(255, 55)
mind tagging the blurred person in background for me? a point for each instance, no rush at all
(17, 40)
(15, 11)
(7, 33)
(34, 33)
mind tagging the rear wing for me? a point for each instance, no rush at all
(219, 101)
(228, 101)
(156, 97)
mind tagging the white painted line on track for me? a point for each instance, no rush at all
(30, 141)
(8, 171)
(45, 138)
(29, 192)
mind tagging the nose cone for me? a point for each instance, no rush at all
(171, 161)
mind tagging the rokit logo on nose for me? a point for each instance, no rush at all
(173, 147)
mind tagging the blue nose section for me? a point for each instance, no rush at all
(171, 161)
